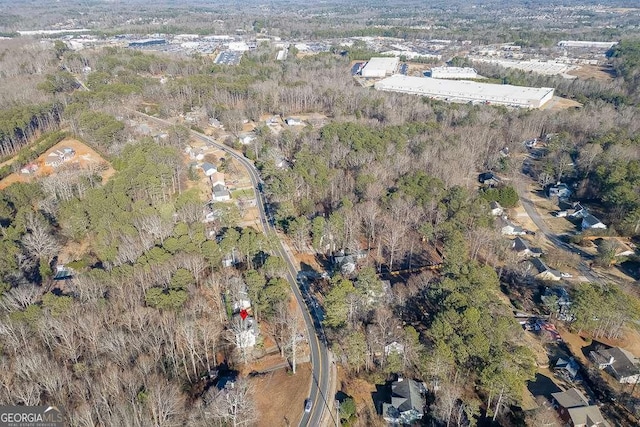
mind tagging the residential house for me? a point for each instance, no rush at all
(217, 179)
(220, 193)
(195, 153)
(574, 409)
(247, 331)
(568, 369)
(560, 190)
(488, 178)
(247, 139)
(208, 168)
(507, 228)
(496, 209)
(238, 294)
(29, 169)
(293, 122)
(63, 272)
(213, 122)
(346, 263)
(543, 272)
(407, 402)
(562, 301)
(590, 222)
(578, 211)
(524, 250)
(57, 157)
(228, 260)
(622, 249)
(587, 416)
(621, 364)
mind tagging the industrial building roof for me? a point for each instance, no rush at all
(467, 91)
(387, 64)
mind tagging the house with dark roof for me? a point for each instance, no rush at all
(407, 402)
(543, 271)
(618, 362)
(574, 409)
(590, 222)
(488, 178)
(524, 250)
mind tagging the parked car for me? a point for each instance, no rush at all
(566, 275)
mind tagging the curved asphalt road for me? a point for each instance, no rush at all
(317, 343)
(533, 213)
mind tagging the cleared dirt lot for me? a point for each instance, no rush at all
(280, 396)
(597, 72)
(85, 158)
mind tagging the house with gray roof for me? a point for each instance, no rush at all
(618, 362)
(220, 193)
(524, 250)
(407, 402)
(590, 222)
(574, 409)
(544, 272)
(560, 190)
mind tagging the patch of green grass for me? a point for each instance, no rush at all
(246, 193)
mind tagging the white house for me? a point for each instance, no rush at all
(246, 336)
(590, 222)
(294, 122)
(57, 157)
(510, 229)
(208, 169)
(496, 209)
(247, 139)
(220, 193)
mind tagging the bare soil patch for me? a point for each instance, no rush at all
(85, 158)
(557, 104)
(597, 72)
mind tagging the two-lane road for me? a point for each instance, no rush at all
(321, 371)
(537, 219)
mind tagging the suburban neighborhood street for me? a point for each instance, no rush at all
(532, 212)
(321, 372)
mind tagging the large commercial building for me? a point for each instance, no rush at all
(586, 44)
(466, 91)
(453, 73)
(380, 67)
(147, 42)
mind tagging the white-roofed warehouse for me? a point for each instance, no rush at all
(467, 91)
(380, 67)
(453, 73)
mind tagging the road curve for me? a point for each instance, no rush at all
(321, 371)
(533, 213)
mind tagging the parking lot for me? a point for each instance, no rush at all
(229, 57)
